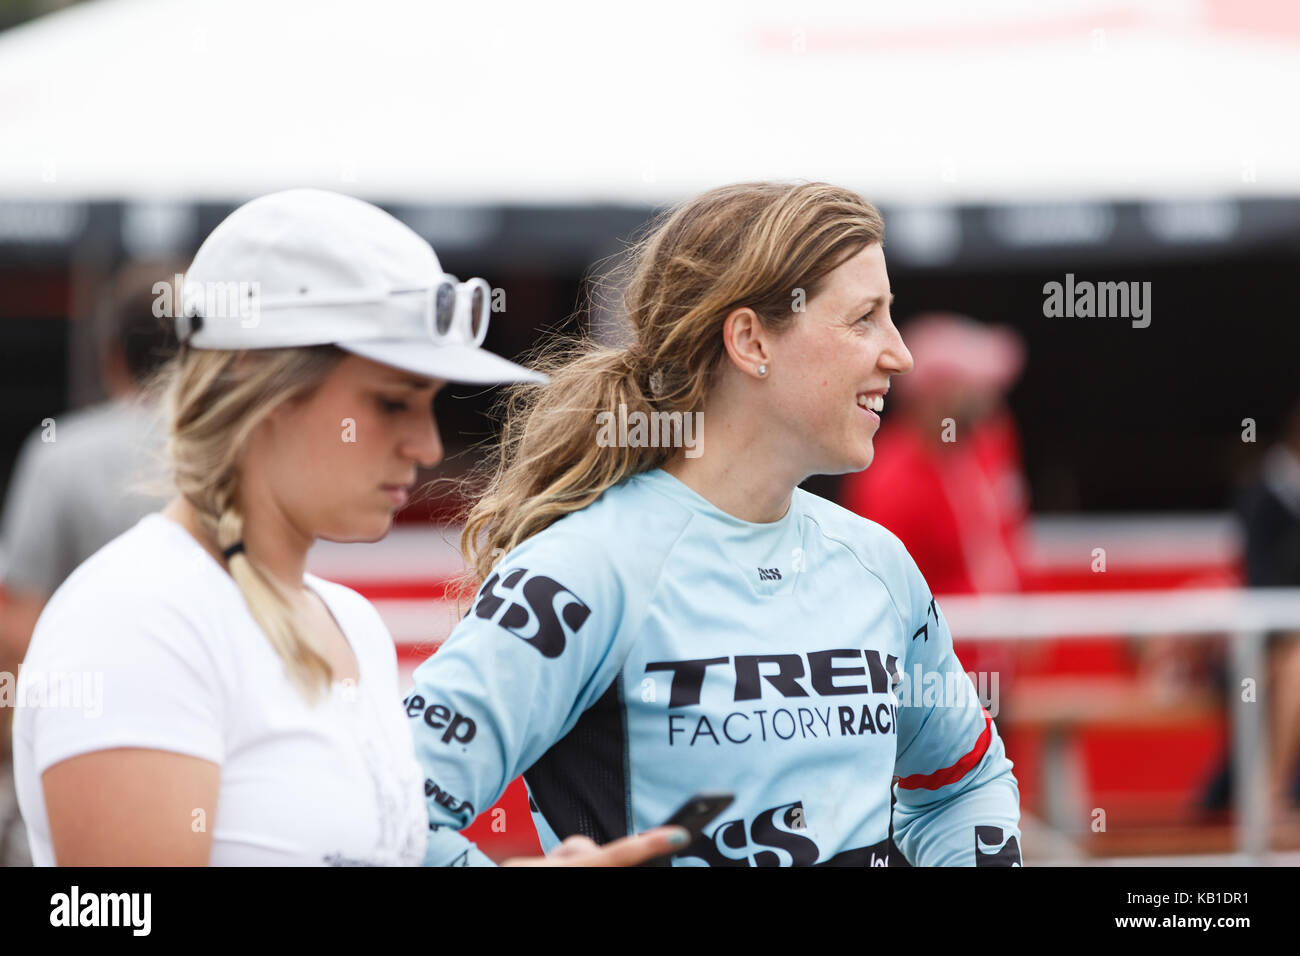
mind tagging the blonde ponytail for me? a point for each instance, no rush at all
(214, 401)
(549, 462)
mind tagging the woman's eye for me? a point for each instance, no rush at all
(392, 407)
(867, 316)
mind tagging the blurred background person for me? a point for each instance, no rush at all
(1268, 510)
(78, 483)
(947, 478)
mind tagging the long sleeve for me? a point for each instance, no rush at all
(958, 802)
(536, 649)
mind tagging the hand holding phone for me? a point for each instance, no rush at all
(694, 815)
(696, 812)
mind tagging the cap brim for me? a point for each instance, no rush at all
(452, 363)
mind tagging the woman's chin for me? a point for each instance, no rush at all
(860, 460)
(360, 532)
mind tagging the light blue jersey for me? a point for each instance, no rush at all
(651, 646)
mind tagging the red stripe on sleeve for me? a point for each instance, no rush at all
(941, 778)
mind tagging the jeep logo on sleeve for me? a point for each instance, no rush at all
(538, 611)
(438, 716)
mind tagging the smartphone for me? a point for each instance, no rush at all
(696, 812)
(694, 815)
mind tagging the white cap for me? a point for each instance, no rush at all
(314, 267)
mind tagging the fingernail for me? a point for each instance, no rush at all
(678, 837)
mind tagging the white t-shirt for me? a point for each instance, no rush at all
(149, 643)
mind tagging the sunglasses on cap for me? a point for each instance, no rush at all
(452, 312)
(456, 311)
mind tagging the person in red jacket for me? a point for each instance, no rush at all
(947, 477)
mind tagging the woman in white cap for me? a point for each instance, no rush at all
(234, 709)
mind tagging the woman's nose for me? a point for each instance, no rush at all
(895, 353)
(425, 445)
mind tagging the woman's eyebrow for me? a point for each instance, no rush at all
(413, 383)
(872, 301)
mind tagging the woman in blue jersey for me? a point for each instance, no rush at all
(664, 611)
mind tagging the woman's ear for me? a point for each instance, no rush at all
(746, 340)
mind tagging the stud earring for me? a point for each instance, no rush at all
(762, 370)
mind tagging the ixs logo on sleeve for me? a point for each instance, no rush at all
(537, 609)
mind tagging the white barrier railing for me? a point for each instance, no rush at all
(1185, 611)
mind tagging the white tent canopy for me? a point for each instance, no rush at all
(513, 103)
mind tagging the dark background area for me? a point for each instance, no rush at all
(1114, 418)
